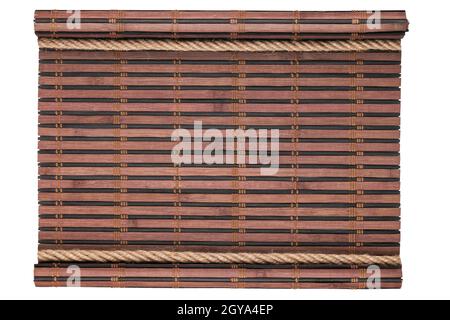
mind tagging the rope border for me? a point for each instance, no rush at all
(219, 45)
(215, 46)
(114, 256)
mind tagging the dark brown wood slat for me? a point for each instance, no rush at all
(222, 56)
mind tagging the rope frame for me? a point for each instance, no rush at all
(219, 45)
(135, 256)
(140, 256)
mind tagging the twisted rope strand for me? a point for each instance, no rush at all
(219, 45)
(214, 46)
(210, 257)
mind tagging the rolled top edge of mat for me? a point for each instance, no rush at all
(219, 45)
(141, 256)
(232, 25)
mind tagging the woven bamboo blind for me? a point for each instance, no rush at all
(113, 89)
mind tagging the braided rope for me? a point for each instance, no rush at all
(210, 257)
(219, 45)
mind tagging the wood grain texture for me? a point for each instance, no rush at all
(213, 276)
(294, 25)
(107, 180)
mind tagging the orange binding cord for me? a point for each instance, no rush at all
(356, 21)
(296, 143)
(234, 22)
(295, 153)
(175, 17)
(362, 278)
(352, 202)
(59, 151)
(296, 26)
(176, 275)
(238, 166)
(242, 276)
(296, 281)
(53, 24)
(113, 21)
(236, 210)
(241, 23)
(117, 157)
(177, 177)
(296, 270)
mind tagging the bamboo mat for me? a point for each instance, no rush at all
(107, 180)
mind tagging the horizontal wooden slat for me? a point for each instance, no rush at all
(219, 272)
(289, 247)
(166, 159)
(273, 185)
(235, 56)
(199, 81)
(172, 68)
(214, 172)
(220, 107)
(195, 14)
(225, 224)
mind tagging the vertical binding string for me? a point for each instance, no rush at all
(55, 274)
(296, 26)
(242, 277)
(355, 191)
(234, 171)
(234, 22)
(237, 165)
(114, 278)
(352, 209)
(355, 276)
(362, 277)
(296, 276)
(117, 147)
(123, 164)
(177, 177)
(58, 148)
(117, 26)
(113, 22)
(356, 21)
(242, 126)
(176, 275)
(358, 186)
(241, 23)
(363, 22)
(59, 151)
(243, 75)
(53, 32)
(120, 25)
(360, 20)
(234, 275)
(360, 189)
(175, 15)
(359, 277)
(118, 273)
(122, 274)
(295, 152)
(297, 140)
(121, 218)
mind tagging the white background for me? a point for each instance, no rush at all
(424, 148)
